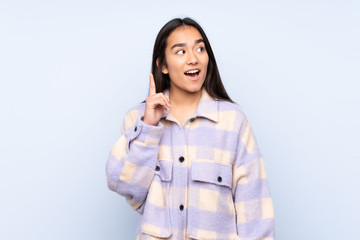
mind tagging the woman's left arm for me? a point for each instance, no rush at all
(253, 204)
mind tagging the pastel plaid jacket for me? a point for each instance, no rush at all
(203, 180)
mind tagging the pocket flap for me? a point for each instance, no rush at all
(164, 170)
(211, 172)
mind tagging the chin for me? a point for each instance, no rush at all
(190, 88)
(194, 89)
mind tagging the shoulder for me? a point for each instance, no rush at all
(231, 117)
(230, 106)
(231, 110)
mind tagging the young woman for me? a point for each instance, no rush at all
(187, 159)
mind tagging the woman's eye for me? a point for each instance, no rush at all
(200, 49)
(180, 52)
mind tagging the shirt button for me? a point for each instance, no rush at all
(192, 119)
(219, 179)
(135, 129)
(181, 159)
(157, 168)
(181, 207)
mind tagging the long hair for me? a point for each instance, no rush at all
(212, 83)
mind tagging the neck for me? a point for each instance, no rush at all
(183, 99)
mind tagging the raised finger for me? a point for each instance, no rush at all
(152, 87)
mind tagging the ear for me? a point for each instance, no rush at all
(164, 69)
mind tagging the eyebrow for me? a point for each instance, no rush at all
(183, 44)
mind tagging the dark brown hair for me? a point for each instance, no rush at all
(212, 84)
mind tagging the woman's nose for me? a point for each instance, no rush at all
(192, 59)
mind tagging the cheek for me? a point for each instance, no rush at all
(207, 59)
(206, 62)
(174, 66)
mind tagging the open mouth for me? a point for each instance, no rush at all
(192, 73)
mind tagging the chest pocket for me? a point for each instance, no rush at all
(211, 172)
(163, 170)
(164, 164)
(211, 184)
(155, 223)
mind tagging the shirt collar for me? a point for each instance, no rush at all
(207, 107)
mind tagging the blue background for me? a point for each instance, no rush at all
(70, 70)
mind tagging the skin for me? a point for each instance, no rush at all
(156, 104)
(184, 51)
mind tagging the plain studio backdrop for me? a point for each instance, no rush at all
(70, 70)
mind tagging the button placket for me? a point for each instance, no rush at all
(183, 169)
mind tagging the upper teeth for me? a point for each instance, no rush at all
(192, 71)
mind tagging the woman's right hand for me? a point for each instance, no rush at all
(156, 105)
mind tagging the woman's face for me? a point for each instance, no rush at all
(186, 60)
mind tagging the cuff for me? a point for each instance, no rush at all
(144, 133)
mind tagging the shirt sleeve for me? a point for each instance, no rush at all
(253, 204)
(132, 159)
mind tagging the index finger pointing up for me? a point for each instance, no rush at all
(152, 88)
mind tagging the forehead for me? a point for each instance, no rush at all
(183, 34)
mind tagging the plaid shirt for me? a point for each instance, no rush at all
(203, 180)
